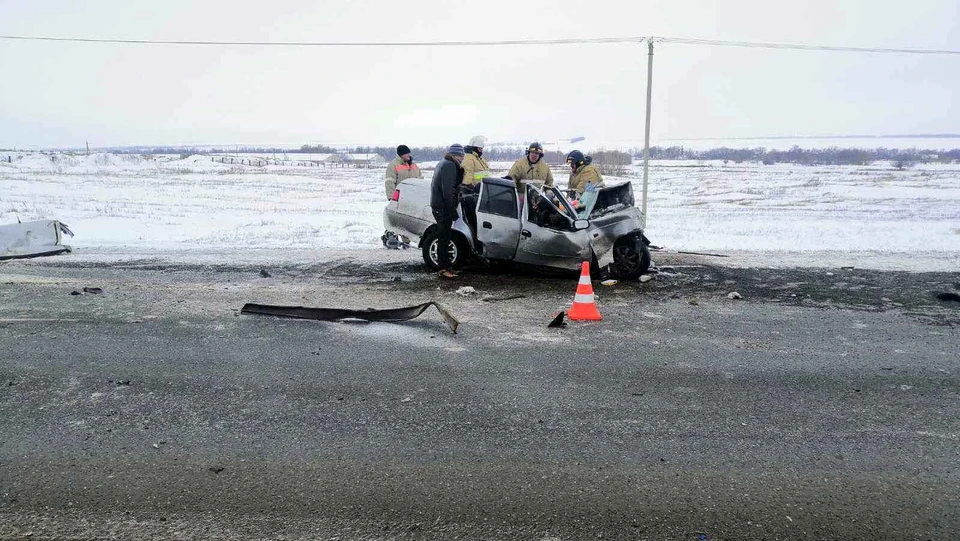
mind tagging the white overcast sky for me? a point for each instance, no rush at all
(63, 94)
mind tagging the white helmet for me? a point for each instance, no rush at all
(478, 141)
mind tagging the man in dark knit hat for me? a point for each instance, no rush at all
(400, 169)
(444, 200)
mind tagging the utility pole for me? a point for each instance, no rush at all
(646, 141)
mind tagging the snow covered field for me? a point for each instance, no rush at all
(818, 215)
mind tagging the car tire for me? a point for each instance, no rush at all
(631, 259)
(428, 247)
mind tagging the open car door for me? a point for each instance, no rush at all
(548, 236)
(498, 218)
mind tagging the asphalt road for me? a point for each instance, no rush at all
(825, 405)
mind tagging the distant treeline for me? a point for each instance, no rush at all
(795, 155)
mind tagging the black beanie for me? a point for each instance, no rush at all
(403, 149)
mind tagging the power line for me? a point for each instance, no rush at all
(800, 47)
(559, 41)
(568, 41)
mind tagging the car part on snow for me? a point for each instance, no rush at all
(711, 255)
(33, 239)
(393, 241)
(337, 314)
(491, 298)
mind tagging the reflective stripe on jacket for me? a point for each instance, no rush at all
(475, 169)
(397, 172)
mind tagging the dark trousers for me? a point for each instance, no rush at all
(444, 224)
(469, 205)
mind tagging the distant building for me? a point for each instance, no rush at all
(326, 159)
(363, 160)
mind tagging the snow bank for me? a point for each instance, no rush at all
(119, 203)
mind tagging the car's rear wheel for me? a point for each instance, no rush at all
(457, 249)
(631, 258)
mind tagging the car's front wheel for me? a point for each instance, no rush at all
(631, 258)
(457, 249)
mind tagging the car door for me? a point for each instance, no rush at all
(498, 220)
(547, 236)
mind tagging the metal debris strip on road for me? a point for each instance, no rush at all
(337, 314)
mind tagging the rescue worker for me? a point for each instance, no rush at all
(444, 198)
(400, 169)
(582, 173)
(475, 168)
(532, 167)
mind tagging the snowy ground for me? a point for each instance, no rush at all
(872, 216)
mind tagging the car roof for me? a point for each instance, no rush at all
(500, 182)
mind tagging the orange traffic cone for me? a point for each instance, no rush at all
(584, 308)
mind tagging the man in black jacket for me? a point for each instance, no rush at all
(444, 199)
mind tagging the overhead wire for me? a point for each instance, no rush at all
(497, 43)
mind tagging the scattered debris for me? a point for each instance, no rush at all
(644, 278)
(492, 298)
(466, 291)
(216, 469)
(611, 282)
(93, 290)
(337, 314)
(829, 274)
(397, 278)
(702, 253)
(733, 295)
(558, 321)
(264, 273)
(33, 239)
(75, 292)
(694, 302)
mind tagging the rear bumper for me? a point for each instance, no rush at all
(404, 224)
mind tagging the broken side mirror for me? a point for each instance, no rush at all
(580, 225)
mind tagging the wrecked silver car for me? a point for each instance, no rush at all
(532, 225)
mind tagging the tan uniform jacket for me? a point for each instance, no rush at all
(524, 170)
(398, 171)
(474, 169)
(587, 174)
